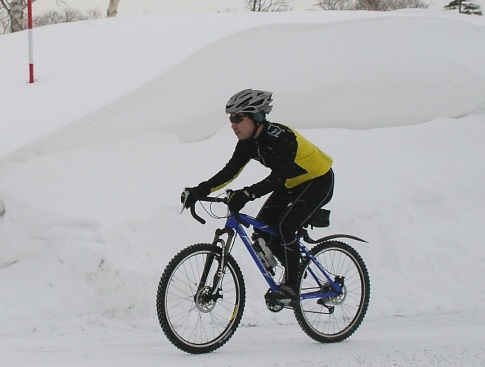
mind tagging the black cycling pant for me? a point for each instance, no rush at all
(286, 210)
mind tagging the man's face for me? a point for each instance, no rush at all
(242, 125)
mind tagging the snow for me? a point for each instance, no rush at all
(126, 112)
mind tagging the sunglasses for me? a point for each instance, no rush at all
(237, 118)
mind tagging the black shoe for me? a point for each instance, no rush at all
(285, 295)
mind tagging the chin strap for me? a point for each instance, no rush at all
(256, 126)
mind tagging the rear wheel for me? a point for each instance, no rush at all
(194, 316)
(333, 319)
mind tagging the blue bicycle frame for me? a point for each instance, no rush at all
(236, 223)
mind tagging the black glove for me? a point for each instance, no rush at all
(237, 200)
(191, 194)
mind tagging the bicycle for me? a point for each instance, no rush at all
(201, 293)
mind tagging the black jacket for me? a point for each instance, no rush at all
(291, 158)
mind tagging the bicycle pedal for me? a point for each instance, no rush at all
(280, 299)
(270, 302)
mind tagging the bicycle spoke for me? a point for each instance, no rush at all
(192, 316)
(334, 318)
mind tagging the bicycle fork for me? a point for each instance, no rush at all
(212, 292)
(226, 246)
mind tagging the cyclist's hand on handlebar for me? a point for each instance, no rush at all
(191, 194)
(187, 198)
(237, 199)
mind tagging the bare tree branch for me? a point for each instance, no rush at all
(5, 4)
(268, 5)
(373, 5)
(64, 15)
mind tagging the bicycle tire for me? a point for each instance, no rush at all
(315, 316)
(190, 320)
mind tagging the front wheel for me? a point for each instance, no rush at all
(335, 318)
(197, 309)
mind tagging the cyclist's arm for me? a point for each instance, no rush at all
(231, 170)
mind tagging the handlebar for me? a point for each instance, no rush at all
(211, 199)
(206, 199)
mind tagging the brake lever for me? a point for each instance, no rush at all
(185, 195)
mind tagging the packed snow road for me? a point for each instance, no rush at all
(442, 340)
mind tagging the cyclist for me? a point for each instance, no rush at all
(301, 179)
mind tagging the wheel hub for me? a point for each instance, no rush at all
(204, 301)
(334, 300)
(339, 299)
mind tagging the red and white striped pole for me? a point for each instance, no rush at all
(31, 45)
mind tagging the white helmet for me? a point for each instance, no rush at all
(250, 101)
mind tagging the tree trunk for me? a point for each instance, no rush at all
(16, 16)
(113, 8)
(2, 209)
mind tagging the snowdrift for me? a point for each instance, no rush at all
(92, 170)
